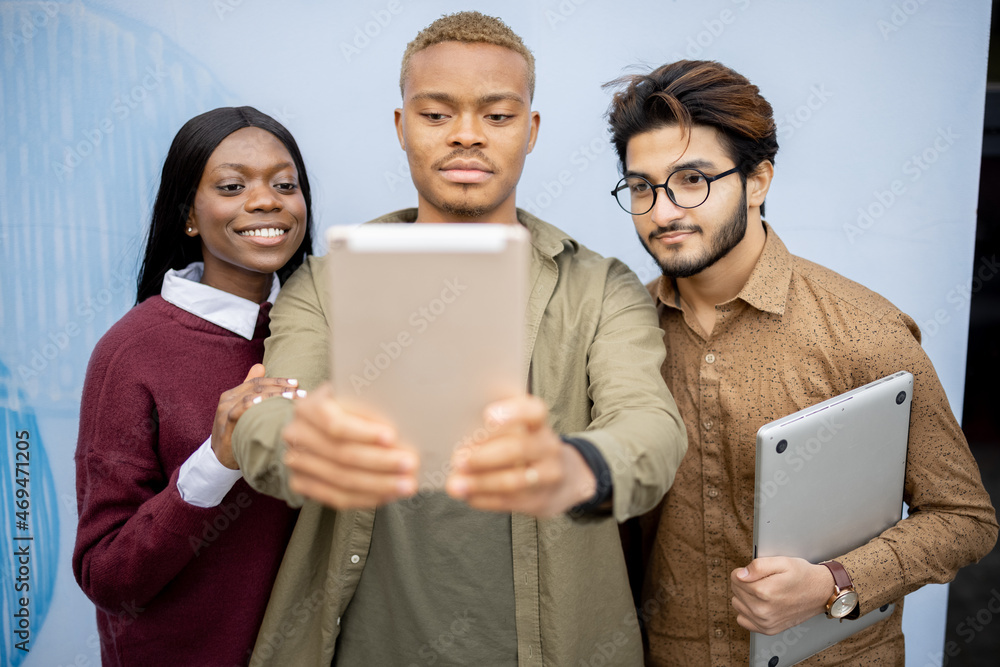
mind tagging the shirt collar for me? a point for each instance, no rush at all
(183, 289)
(767, 287)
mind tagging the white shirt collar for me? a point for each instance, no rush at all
(233, 313)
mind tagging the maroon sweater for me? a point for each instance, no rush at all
(174, 584)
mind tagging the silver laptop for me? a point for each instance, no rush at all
(829, 479)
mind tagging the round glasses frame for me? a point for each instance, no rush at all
(623, 185)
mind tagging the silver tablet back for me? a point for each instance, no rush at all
(428, 328)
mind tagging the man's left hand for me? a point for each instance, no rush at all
(774, 594)
(522, 466)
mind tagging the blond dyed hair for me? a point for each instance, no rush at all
(470, 28)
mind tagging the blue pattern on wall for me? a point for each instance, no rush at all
(90, 100)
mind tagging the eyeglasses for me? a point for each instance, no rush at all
(687, 188)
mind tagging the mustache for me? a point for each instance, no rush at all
(467, 154)
(673, 229)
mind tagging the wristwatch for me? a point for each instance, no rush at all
(844, 599)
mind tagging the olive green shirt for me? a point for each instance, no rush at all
(423, 586)
(594, 354)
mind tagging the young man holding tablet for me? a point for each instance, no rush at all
(527, 581)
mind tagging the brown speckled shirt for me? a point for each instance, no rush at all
(795, 335)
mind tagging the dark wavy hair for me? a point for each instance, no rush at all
(167, 246)
(696, 92)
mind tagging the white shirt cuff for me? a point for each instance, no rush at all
(203, 481)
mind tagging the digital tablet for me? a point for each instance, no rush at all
(829, 479)
(427, 328)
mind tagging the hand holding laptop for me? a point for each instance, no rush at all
(773, 594)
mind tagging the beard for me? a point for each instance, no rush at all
(720, 244)
(463, 209)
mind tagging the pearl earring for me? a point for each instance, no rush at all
(190, 229)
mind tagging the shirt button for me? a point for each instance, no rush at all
(716, 562)
(713, 492)
(708, 425)
(710, 358)
(355, 558)
(719, 632)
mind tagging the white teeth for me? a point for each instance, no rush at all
(269, 232)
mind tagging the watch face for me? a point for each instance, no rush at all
(844, 604)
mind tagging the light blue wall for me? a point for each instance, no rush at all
(870, 97)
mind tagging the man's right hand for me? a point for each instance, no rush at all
(345, 460)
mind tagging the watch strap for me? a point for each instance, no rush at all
(602, 474)
(843, 582)
(840, 576)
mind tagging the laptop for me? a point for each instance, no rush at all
(427, 329)
(829, 479)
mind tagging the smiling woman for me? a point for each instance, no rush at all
(165, 517)
(249, 211)
(206, 144)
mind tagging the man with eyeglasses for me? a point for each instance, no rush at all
(752, 334)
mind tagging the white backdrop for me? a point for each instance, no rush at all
(879, 107)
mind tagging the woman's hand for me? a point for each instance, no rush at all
(235, 402)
